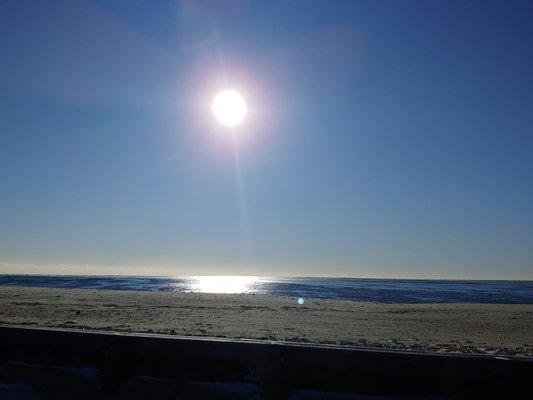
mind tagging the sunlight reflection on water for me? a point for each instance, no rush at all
(375, 290)
(223, 284)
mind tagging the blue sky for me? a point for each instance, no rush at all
(383, 139)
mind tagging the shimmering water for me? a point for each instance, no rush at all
(377, 290)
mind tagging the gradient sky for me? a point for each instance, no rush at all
(384, 138)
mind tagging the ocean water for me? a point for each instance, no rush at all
(376, 290)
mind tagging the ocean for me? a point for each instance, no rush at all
(374, 290)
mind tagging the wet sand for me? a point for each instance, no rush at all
(468, 328)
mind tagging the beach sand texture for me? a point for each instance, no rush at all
(468, 328)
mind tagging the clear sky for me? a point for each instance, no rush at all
(383, 139)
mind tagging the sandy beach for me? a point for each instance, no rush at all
(467, 328)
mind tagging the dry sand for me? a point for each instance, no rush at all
(479, 328)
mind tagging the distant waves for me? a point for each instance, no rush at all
(373, 290)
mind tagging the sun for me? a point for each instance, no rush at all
(229, 108)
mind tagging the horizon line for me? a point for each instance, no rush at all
(262, 276)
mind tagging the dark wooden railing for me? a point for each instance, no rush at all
(278, 370)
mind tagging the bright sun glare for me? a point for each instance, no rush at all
(223, 284)
(229, 108)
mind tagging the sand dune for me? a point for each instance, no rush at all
(480, 328)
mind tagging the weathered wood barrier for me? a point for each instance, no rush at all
(65, 363)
